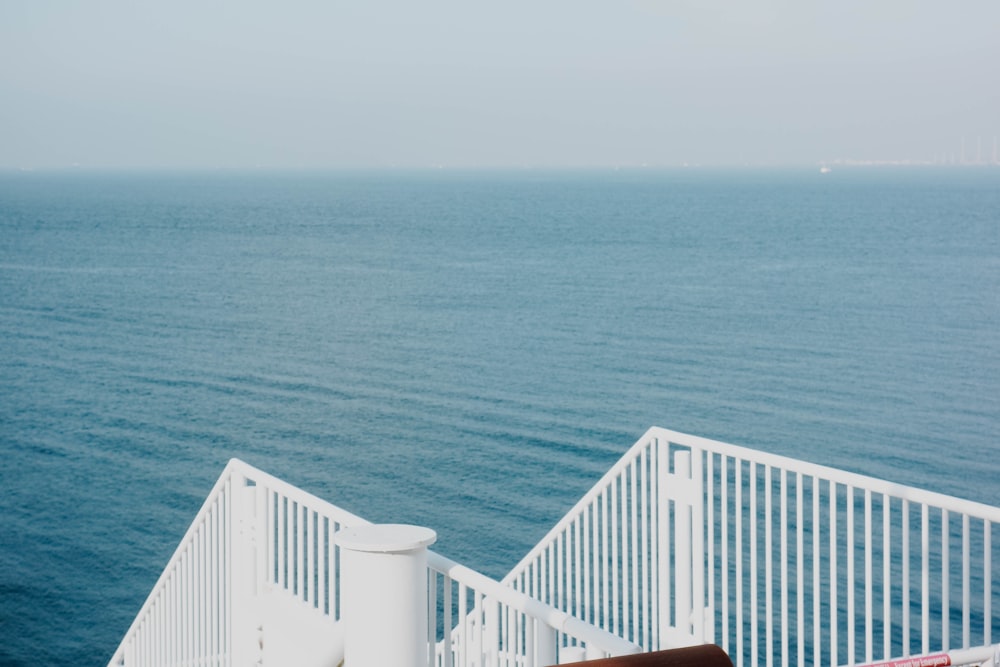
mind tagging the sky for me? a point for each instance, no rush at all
(545, 83)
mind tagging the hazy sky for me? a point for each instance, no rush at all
(232, 83)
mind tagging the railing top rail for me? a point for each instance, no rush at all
(624, 462)
(874, 484)
(554, 618)
(295, 493)
(206, 507)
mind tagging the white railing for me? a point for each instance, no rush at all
(187, 617)
(685, 540)
(688, 540)
(256, 580)
(489, 624)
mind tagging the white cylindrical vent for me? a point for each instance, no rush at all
(384, 594)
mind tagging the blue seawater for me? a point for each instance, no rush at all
(464, 350)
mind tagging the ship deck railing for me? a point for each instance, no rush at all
(257, 580)
(684, 541)
(780, 562)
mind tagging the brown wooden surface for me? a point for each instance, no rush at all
(708, 655)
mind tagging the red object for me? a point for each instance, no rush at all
(938, 660)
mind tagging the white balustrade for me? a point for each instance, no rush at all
(477, 621)
(785, 562)
(257, 580)
(684, 540)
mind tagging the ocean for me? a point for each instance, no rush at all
(465, 350)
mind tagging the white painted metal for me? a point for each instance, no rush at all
(678, 624)
(384, 570)
(165, 631)
(851, 568)
(256, 580)
(524, 631)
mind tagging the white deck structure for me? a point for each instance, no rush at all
(684, 541)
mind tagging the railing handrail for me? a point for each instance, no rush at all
(874, 484)
(247, 471)
(168, 569)
(556, 619)
(582, 504)
(295, 493)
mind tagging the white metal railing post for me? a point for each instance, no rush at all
(683, 544)
(664, 574)
(699, 535)
(545, 644)
(244, 609)
(491, 630)
(384, 594)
